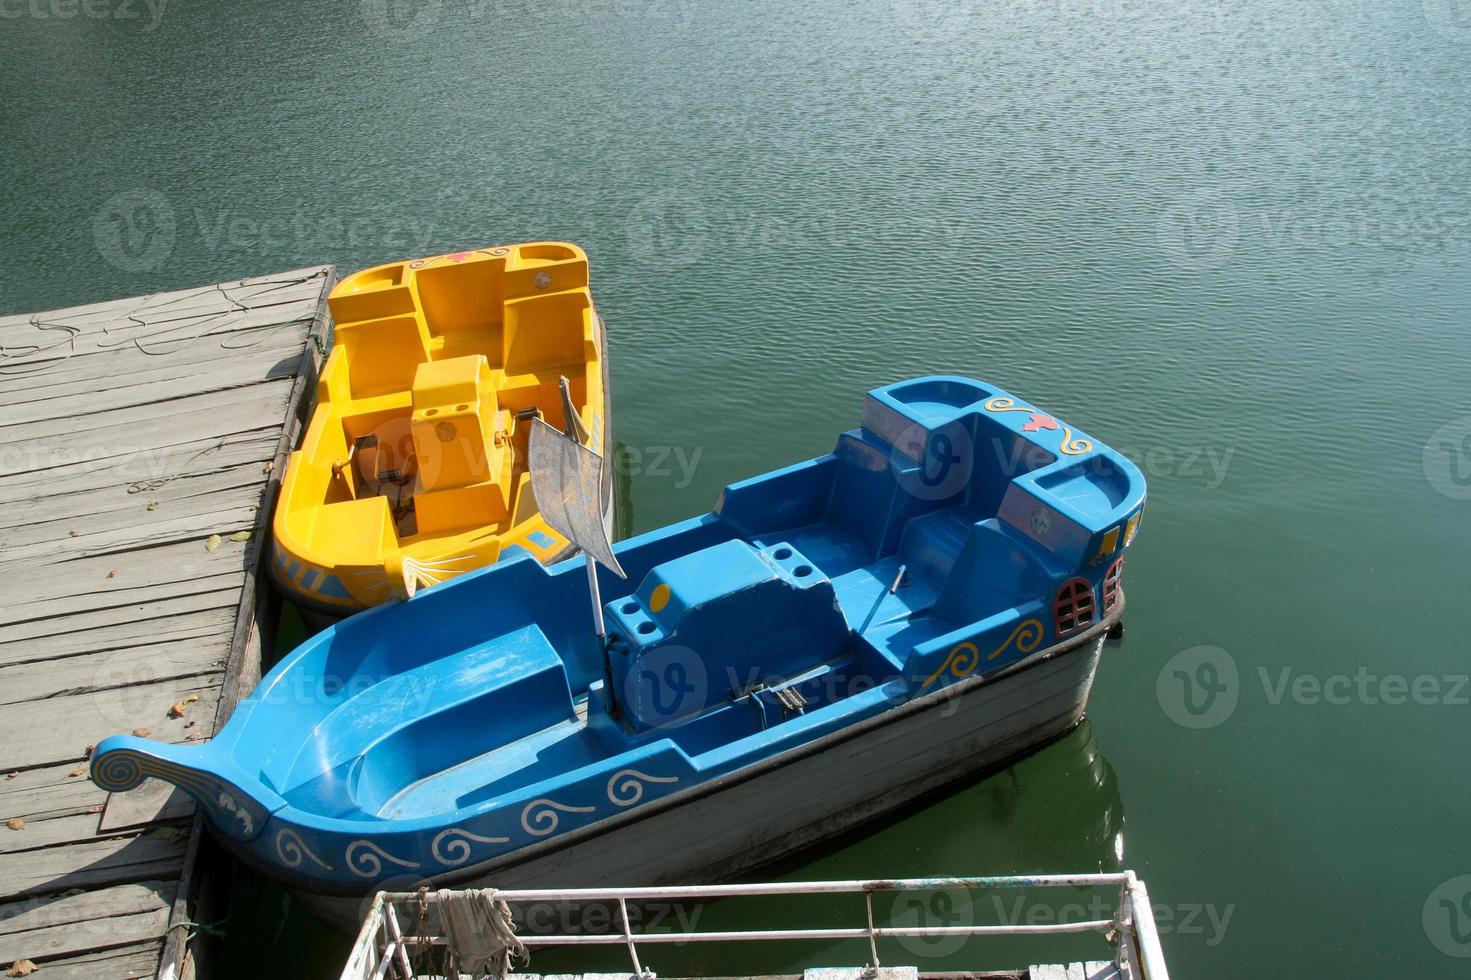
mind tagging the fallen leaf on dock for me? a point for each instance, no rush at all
(22, 968)
(16, 823)
(95, 809)
(153, 505)
(11, 775)
(72, 533)
(78, 771)
(112, 573)
(177, 711)
(141, 732)
(190, 723)
(240, 536)
(212, 542)
(87, 752)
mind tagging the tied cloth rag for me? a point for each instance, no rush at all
(479, 931)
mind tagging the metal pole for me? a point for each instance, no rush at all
(597, 598)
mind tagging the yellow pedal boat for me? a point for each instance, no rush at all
(413, 468)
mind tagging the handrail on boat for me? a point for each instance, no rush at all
(382, 949)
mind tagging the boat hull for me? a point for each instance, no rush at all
(749, 820)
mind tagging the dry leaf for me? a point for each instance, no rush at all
(177, 711)
(193, 737)
(212, 542)
(87, 752)
(153, 505)
(112, 573)
(141, 732)
(240, 536)
(16, 823)
(72, 533)
(268, 467)
(22, 968)
(78, 771)
(95, 809)
(11, 775)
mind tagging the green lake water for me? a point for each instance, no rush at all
(1230, 239)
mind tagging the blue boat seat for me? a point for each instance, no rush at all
(413, 724)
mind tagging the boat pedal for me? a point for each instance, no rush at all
(791, 701)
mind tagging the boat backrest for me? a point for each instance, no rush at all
(382, 354)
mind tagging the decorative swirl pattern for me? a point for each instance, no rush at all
(1074, 447)
(627, 786)
(540, 818)
(452, 847)
(368, 865)
(292, 850)
(1003, 404)
(965, 657)
(231, 810)
(118, 772)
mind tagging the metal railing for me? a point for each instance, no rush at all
(385, 949)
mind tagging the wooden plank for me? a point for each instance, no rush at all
(49, 833)
(38, 681)
(59, 730)
(237, 372)
(108, 623)
(124, 595)
(188, 454)
(45, 912)
(146, 425)
(91, 864)
(178, 299)
(180, 564)
(101, 507)
(123, 963)
(209, 628)
(76, 379)
(124, 915)
(49, 792)
(195, 520)
(152, 802)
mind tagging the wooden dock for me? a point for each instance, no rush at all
(141, 441)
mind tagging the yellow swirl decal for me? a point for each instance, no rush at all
(1074, 447)
(965, 657)
(1003, 404)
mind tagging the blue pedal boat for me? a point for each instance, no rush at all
(832, 641)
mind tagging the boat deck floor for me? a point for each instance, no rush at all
(139, 449)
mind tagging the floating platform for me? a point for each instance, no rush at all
(419, 935)
(141, 444)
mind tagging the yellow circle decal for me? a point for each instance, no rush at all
(659, 599)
